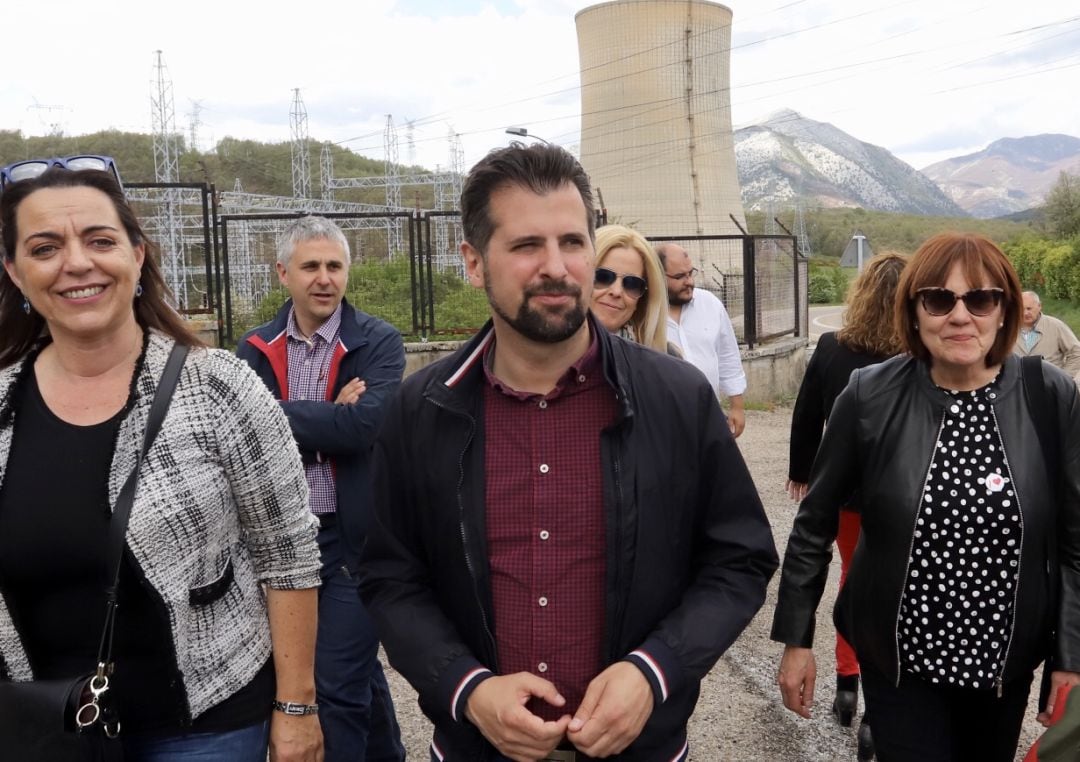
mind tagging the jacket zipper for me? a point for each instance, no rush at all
(469, 564)
(911, 547)
(1020, 556)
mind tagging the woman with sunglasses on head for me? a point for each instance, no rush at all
(967, 572)
(629, 293)
(867, 337)
(215, 621)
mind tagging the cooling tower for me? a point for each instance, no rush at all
(656, 114)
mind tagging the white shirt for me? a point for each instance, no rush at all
(707, 339)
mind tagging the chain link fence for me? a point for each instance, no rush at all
(407, 268)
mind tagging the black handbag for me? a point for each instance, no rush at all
(71, 719)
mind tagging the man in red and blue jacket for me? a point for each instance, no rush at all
(333, 368)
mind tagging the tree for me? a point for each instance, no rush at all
(1063, 206)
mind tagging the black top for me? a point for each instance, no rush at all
(957, 610)
(827, 373)
(54, 520)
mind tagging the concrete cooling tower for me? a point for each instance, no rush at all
(656, 114)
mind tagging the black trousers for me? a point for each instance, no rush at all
(922, 722)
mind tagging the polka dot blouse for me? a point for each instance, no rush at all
(957, 609)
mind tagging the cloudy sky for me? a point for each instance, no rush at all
(926, 79)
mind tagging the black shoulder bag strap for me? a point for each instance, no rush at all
(1043, 416)
(1043, 411)
(89, 712)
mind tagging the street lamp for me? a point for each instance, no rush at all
(523, 132)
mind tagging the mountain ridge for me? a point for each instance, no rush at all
(1008, 176)
(788, 156)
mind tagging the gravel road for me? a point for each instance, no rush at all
(739, 717)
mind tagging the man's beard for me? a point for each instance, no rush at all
(678, 300)
(536, 325)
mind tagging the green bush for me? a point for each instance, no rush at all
(384, 289)
(1052, 268)
(828, 283)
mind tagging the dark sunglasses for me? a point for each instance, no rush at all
(27, 170)
(942, 301)
(632, 285)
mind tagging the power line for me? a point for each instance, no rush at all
(840, 67)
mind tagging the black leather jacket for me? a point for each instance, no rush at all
(689, 550)
(880, 439)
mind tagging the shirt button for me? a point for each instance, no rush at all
(581, 378)
(543, 404)
(544, 534)
(542, 666)
(542, 601)
(544, 468)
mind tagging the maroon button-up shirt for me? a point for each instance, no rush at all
(545, 526)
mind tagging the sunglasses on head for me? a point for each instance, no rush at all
(28, 170)
(978, 301)
(632, 285)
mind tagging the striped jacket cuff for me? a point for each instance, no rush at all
(658, 664)
(463, 688)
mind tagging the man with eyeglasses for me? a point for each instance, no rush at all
(1047, 336)
(699, 324)
(566, 537)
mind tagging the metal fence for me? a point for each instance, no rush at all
(407, 267)
(772, 302)
(178, 218)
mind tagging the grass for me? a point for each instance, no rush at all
(1063, 309)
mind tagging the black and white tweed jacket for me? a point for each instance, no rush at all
(221, 509)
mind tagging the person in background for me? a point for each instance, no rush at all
(333, 368)
(1047, 336)
(566, 537)
(217, 597)
(968, 568)
(629, 293)
(868, 337)
(698, 324)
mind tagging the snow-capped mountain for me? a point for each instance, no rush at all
(789, 156)
(1009, 175)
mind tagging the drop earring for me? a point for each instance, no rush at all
(26, 305)
(138, 289)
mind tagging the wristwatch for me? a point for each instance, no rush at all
(294, 709)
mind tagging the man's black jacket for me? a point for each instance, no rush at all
(689, 550)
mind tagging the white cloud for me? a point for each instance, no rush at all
(924, 78)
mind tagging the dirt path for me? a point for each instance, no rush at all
(739, 717)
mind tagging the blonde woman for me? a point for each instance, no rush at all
(629, 293)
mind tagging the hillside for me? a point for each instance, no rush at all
(260, 167)
(830, 230)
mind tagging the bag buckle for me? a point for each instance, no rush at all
(90, 712)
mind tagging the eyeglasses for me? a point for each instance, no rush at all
(632, 285)
(27, 170)
(683, 276)
(978, 301)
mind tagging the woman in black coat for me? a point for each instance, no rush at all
(868, 337)
(966, 575)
